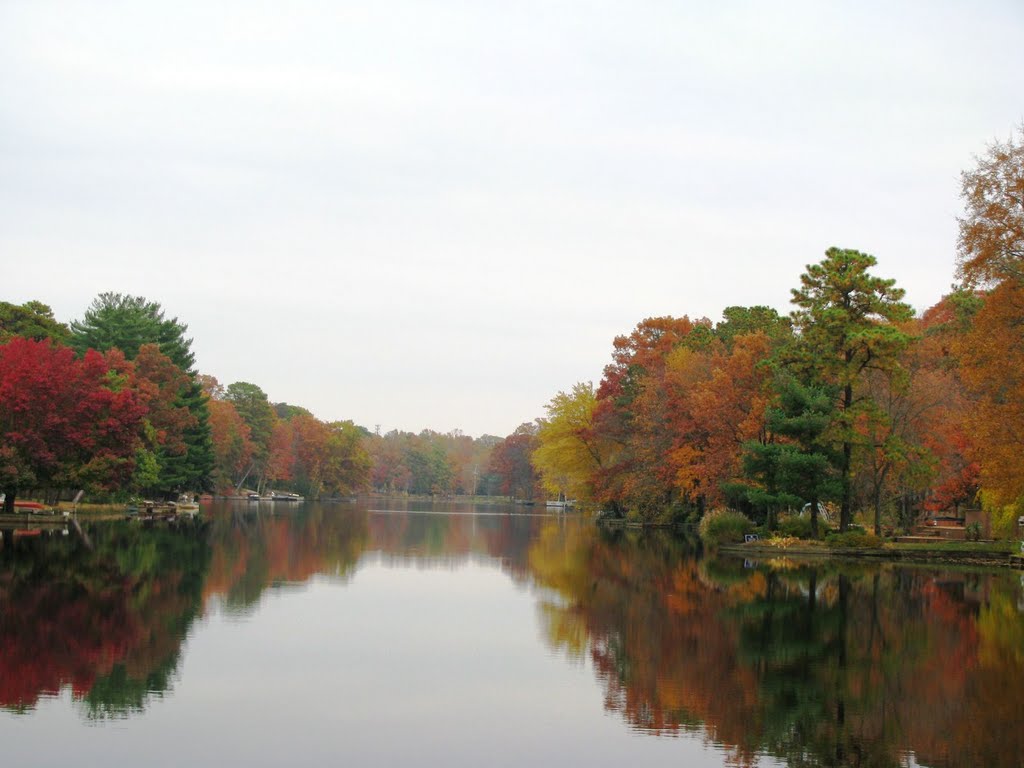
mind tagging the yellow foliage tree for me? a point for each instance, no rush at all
(568, 453)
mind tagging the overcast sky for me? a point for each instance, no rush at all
(439, 214)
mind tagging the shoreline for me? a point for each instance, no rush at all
(985, 557)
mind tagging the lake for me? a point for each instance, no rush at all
(401, 633)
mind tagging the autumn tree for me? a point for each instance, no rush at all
(63, 421)
(232, 446)
(992, 356)
(430, 465)
(309, 453)
(347, 469)
(991, 255)
(847, 321)
(251, 403)
(920, 453)
(388, 472)
(569, 454)
(279, 464)
(632, 413)
(510, 462)
(164, 388)
(328, 458)
(717, 405)
(991, 242)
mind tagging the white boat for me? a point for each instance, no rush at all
(283, 496)
(565, 504)
(186, 503)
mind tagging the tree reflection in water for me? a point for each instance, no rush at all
(815, 664)
(104, 619)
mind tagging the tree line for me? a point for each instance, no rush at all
(851, 402)
(113, 404)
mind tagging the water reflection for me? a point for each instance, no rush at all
(104, 616)
(812, 664)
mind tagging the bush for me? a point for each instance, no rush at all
(798, 527)
(973, 531)
(724, 526)
(853, 540)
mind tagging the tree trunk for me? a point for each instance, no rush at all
(846, 511)
(814, 518)
(879, 485)
(9, 500)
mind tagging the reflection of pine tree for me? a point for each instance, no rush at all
(839, 657)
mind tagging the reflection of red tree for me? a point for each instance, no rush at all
(935, 701)
(61, 634)
(70, 616)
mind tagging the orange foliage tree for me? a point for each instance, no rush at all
(991, 255)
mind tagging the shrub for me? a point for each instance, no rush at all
(724, 526)
(798, 527)
(853, 540)
(782, 542)
(973, 531)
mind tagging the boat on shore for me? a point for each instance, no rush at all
(283, 496)
(186, 506)
(187, 503)
(24, 507)
(274, 496)
(566, 504)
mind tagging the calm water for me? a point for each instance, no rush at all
(458, 636)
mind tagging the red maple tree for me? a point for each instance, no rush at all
(64, 421)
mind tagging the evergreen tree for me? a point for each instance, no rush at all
(795, 465)
(846, 324)
(31, 320)
(128, 322)
(125, 322)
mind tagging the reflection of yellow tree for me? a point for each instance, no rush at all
(994, 690)
(647, 618)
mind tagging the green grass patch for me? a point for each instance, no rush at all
(1000, 547)
(853, 540)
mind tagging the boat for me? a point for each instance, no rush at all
(186, 503)
(283, 496)
(30, 508)
(563, 504)
(149, 508)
